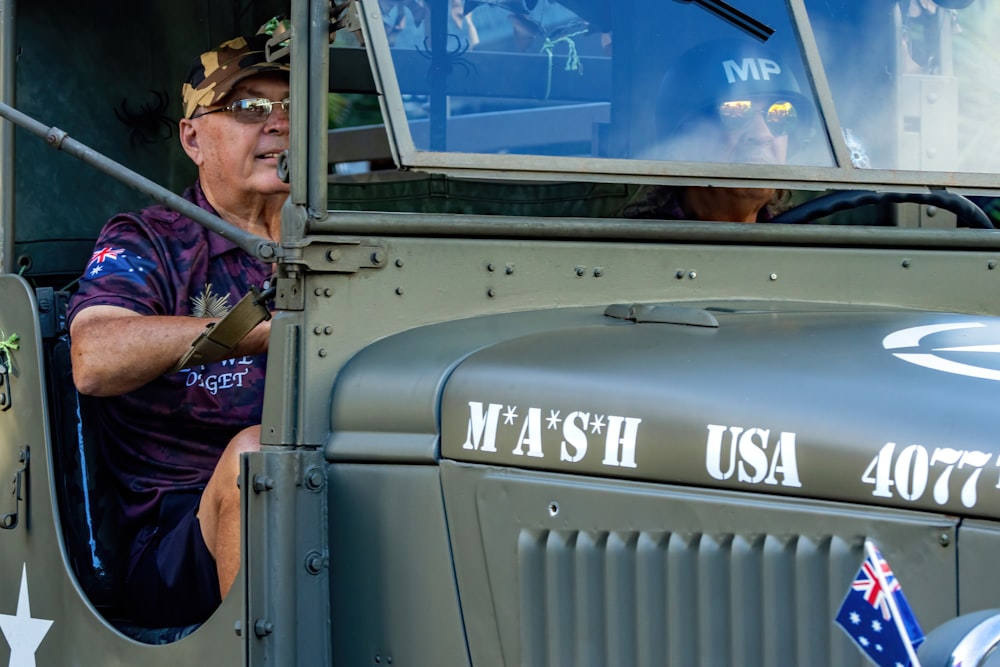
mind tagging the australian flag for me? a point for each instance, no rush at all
(877, 617)
(110, 260)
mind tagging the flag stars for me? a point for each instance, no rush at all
(889, 640)
(510, 415)
(553, 420)
(96, 270)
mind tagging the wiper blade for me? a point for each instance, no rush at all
(745, 22)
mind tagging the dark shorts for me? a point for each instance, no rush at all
(174, 582)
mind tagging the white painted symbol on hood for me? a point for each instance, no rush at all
(909, 338)
(23, 632)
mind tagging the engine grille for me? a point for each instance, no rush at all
(660, 598)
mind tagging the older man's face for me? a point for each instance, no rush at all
(242, 158)
(737, 134)
(750, 140)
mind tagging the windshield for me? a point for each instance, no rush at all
(913, 81)
(908, 84)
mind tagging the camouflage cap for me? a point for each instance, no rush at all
(215, 73)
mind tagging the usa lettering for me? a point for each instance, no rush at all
(751, 455)
(538, 434)
(751, 68)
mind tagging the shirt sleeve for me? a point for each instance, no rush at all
(128, 269)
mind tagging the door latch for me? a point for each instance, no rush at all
(9, 521)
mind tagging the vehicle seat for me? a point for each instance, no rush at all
(87, 511)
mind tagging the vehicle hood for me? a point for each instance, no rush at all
(876, 406)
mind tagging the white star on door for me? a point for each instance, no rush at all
(23, 633)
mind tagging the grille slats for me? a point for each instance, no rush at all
(593, 599)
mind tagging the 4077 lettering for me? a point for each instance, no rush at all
(906, 473)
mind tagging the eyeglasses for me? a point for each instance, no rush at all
(781, 116)
(250, 111)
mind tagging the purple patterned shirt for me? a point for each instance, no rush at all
(168, 435)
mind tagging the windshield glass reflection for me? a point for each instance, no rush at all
(912, 80)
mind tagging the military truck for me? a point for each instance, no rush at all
(507, 422)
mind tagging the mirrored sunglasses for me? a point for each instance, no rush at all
(780, 116)
(250, 111)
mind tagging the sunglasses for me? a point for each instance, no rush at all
(252, 111)
(780, 116)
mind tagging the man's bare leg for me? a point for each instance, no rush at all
(219, 511)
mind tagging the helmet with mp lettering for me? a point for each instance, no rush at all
(718, 80)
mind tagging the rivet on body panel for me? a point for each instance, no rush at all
(262, 483)
(315, 562)
(263, 628)
(314, 479)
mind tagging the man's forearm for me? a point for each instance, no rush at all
(114, 355)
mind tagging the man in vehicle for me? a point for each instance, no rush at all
(156, 279)
(731, 101)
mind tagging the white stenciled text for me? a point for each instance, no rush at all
(906, 472)
(752, 455)
(528, 432)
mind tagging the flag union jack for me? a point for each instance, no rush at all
(106, 252)
(877, 617)
(870, 586)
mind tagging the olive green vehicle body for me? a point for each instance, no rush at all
(503, 425)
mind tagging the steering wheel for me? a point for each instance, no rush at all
(827, 204)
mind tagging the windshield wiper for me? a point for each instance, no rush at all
(742, 21)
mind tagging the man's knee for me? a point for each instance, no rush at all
(247, 440)
(222, 487)
(222, 495)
